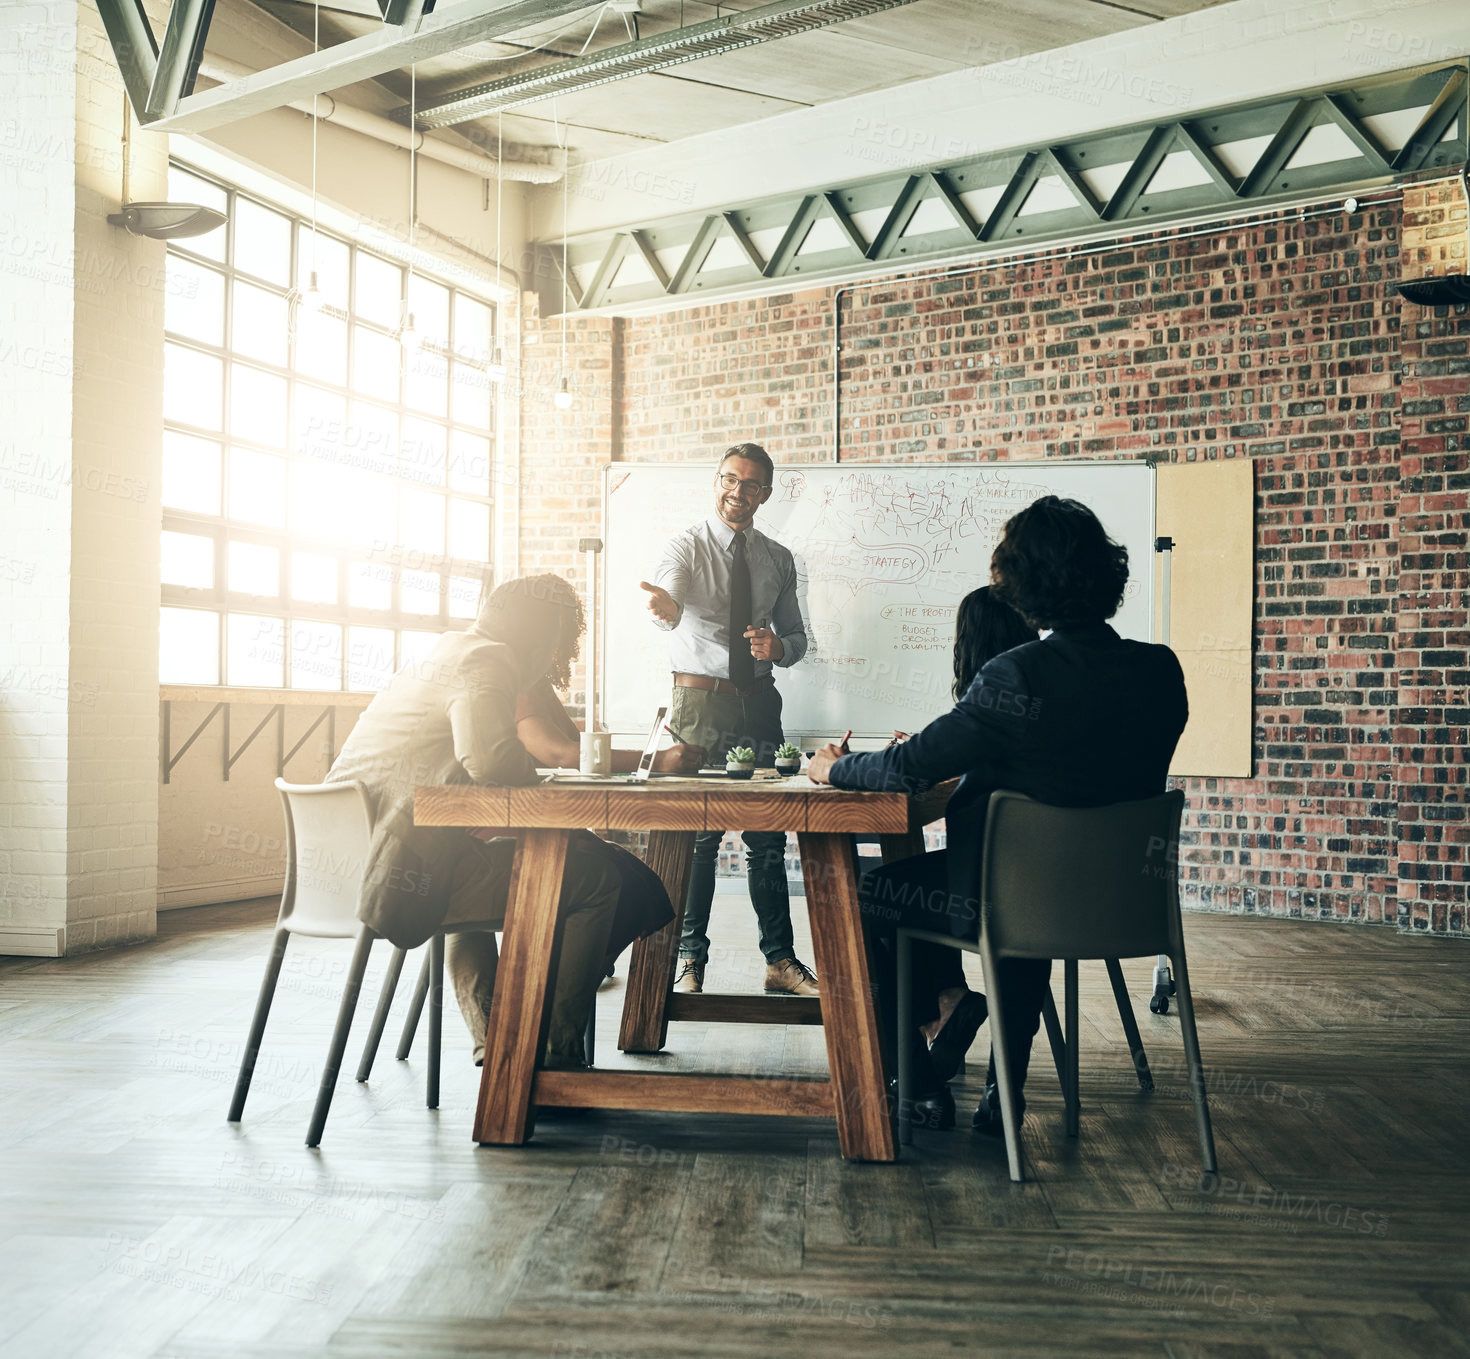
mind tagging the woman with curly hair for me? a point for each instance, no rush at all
(1078, 718)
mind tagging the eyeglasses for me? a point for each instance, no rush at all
(730, 482)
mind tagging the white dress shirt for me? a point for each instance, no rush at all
(695, 570)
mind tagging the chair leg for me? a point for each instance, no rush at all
(257, 1024)
(436, 1017)
(415, 1009)
(1054, 1037)
(905, 1018)
(1130, 1025)
(589, 1035)
(1192, 1059)
(345, 1012)
(380, 1015)
(1005, 1086)
(1073, 1104)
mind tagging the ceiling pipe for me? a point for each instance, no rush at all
(330, 110)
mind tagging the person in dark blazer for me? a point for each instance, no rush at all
(1079, 718)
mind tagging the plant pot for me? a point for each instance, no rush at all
(739, 771)
(787, 768)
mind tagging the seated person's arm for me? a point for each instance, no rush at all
(551, 737)
(482, 719)
(991, 717)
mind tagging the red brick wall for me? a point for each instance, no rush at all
(1276, 342)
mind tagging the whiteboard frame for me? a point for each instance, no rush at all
(598, 662)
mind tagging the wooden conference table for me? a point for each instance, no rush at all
(673, 810)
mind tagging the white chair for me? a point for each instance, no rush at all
(1073, 883)
(328, 831)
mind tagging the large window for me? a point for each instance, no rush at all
(326, 490)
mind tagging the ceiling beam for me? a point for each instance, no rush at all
(390, 48)
(990, 197)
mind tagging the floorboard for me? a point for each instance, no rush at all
(135, 1223)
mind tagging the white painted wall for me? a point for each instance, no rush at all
(1230, 54)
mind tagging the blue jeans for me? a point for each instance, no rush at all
(765, 867)
(717, 722)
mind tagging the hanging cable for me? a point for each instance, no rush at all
(408, 336)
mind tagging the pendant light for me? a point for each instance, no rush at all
(563, 398)
(496, 371)
(312, 298)
(408, 335)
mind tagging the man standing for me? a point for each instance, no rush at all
(727, 593)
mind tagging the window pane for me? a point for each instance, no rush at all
(426, 382)
(257, 487)
(255, 650)
(471, 398)
(191, 473)
(254, 569)
(422, 521)
(258, 324)
(464, 596)
(368, 503)
(188, 647)
(187, 559)
(371, 438)
(379, 290)
(469, 530)
(472, 329)
(193, 387)
(469, 462)
(316, 499)
(262, 242)
(419, 592)
(369, 585)
(414, 646)
(429, 303)
(186, 188)
(375, 363)
(194, 301)
(314, 577)
(321, 346)
(317, 423)
(422, 452)
(316, 508)
(369, 658)
(257, 406)
(316, 654)
(330, 260)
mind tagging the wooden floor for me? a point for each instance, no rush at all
(134, 1221)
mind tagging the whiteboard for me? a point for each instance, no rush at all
(884, 554)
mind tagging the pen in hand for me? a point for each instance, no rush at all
(845, 739)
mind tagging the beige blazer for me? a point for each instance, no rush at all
(448, 718)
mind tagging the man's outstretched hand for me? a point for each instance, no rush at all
(660, 603)
(680, 759)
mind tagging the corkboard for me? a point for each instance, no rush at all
(1208, 509)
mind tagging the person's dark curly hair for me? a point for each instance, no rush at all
(983, 628)
(1056, 566)
(536, 609)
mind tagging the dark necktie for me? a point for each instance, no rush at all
(742, 663)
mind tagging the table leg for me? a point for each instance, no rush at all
(520, 1009)
(645, 1026)
(865, 1126)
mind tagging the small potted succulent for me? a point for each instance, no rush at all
(739, 762)
(788, 760)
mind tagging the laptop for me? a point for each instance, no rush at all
(650, 746)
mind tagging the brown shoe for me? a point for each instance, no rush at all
(691, 978)
(791, 976)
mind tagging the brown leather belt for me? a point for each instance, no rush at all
(711, 685)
